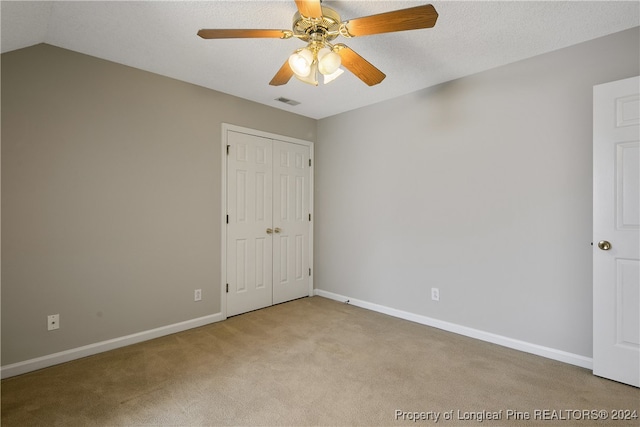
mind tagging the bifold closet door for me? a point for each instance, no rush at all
(268, 223)
(291, 220)
(250, 216)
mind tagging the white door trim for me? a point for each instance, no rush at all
(226, 127)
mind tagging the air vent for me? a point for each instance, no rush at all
(288, 101)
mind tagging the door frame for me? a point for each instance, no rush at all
(226, 127)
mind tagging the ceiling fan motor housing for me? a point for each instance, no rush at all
(328, 25)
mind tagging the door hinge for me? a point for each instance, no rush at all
(309, 162)
(309, 272)
(228, 146)
(309, 217)
(227, 288)
(227, 219)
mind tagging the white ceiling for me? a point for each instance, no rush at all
(160, 37)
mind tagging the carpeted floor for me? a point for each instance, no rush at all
(314, 362)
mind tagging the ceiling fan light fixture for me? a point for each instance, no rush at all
(318, 25)
(300, 62)
(328, 61)
(328, 78)
(312, 77)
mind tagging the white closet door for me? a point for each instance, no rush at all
(268, 225)
(249, 209)
(291, 219)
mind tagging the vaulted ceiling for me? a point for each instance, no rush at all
(160, 37)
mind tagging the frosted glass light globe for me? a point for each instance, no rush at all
(328, 61)
(300, 62)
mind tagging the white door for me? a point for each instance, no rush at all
(616, 231)
(268, 223)
(291, 221)
(249, 215)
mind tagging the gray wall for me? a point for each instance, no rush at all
(481, 187)
(110, 197)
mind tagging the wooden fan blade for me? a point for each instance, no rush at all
(359, 66)
(283, 75)
(399, 20)
(309, 8)
(243, 34)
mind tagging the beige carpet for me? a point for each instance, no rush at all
(312, 362)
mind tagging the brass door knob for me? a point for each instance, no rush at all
(277, 230)
(604, 245)
(269, 231)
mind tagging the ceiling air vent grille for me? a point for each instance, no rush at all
(288, 101)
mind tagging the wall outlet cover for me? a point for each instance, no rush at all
(53, 322)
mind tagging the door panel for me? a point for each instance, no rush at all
(291, 217)
(249, 200)
(627, 178)
(616, 220)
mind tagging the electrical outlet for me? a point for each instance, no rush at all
(197, 295)
(53, 322)
(435, 294)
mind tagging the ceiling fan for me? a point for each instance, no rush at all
(318, 25)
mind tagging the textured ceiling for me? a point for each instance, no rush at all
(160, 37)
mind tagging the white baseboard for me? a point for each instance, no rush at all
(550, 353)
(91, 349)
